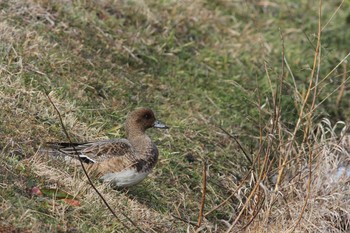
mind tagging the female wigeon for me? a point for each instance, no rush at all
(121, 162)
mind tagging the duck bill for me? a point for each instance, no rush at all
(160, 125)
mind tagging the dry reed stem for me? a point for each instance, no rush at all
(301, 112)
(342, 86)
(204, 191)
(317, 62)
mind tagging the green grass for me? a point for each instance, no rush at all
(199, 65)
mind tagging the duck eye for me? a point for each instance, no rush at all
(147, 116)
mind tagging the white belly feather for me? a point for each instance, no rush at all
(124, 178)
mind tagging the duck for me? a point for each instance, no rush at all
(121, 162)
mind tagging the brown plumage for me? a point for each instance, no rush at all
(123, 162)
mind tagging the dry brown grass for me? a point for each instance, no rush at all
(326, 196)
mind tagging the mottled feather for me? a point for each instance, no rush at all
(98, 151)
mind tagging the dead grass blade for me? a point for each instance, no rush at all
(185, 221)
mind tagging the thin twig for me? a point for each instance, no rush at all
(204, 191)
(86, 173)
(239, 144)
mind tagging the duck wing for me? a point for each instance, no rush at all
(92, 152)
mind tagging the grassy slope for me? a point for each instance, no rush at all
(195, 63)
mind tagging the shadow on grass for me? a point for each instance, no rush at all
(147, 196)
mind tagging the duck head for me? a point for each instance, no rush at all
(141, 119)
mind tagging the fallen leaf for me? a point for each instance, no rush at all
(36, 191)
(72, 202)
